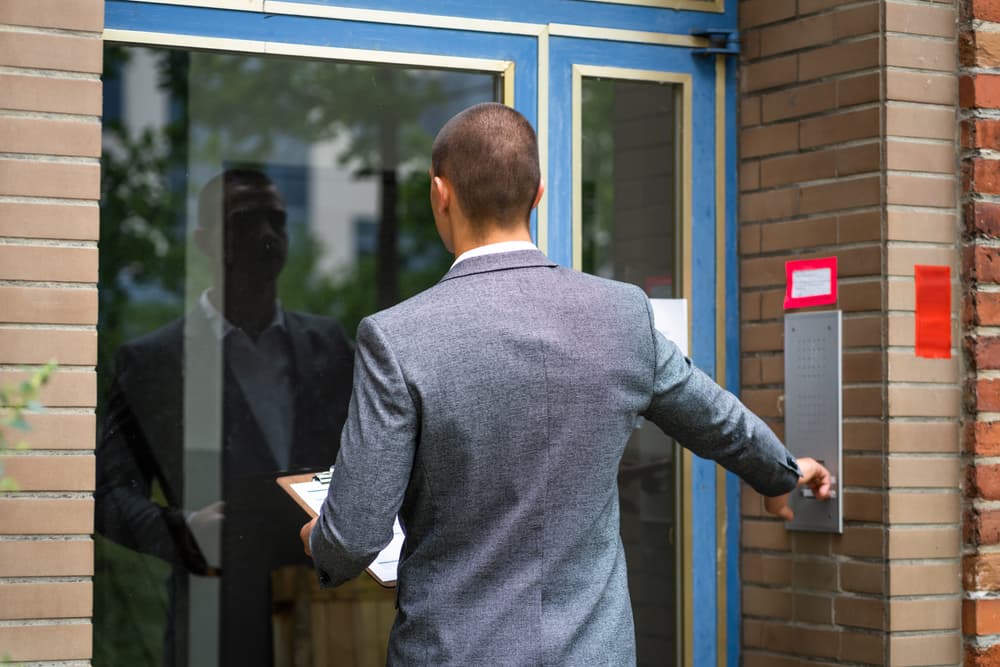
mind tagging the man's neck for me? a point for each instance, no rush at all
(493, 235)
(251, 310)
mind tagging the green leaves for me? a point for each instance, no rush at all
(15, 401)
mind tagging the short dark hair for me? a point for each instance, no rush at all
(213, 199)
(489, 153)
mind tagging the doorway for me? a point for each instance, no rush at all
(335, 106)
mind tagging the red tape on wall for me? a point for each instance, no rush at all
(933, 316)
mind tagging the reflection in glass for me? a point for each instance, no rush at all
(254, 210)
(629, 232)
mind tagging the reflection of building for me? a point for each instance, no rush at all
(338, 195)
(845, 122)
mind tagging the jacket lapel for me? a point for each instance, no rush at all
(303, 388)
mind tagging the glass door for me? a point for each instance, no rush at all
(264, 188)
(643, 128)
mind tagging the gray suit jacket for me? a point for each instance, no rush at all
(491, 412)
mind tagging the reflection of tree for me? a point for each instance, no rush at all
(233, 109)
(376, 108)
(142, 262)
(142, 227)
(228, 110)
(225, 110)
(597, 175)
(350, 294)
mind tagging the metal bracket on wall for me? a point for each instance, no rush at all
(725, 42)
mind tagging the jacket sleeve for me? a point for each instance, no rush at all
(705, 418)
(373, 466)
(126, 473)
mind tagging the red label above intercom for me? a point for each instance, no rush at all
(810, 282)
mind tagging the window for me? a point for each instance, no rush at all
(254, 209)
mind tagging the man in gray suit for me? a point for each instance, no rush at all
(491, 412)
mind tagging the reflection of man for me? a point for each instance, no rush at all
(204, 413)
(491, 412)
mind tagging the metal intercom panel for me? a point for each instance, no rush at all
(814, 410)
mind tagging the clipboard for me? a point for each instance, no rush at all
(310, 494)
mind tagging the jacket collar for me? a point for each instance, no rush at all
(517, 259)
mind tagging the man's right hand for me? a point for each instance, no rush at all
(208, 517)
(814, 475)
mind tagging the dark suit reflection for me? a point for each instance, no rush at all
(283, 394)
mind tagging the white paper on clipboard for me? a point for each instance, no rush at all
(385, 565)
(670, 317)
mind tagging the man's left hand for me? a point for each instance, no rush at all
(305, 534)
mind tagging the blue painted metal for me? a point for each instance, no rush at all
(703, 321)
(723, 42)
(579, 12)
(732, 351)
(121, 14)
(564, 53)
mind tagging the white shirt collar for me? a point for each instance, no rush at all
(221, 326)
(495, 248)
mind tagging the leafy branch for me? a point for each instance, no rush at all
(15, 401)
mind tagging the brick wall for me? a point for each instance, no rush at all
(980, 139)
(848, 148)
(50, 142)
(923, 395)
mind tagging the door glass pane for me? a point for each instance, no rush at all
(630, 233)
(254, 209)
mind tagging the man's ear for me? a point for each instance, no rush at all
(440, 194)
(541, 191)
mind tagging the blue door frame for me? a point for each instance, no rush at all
(541, 41)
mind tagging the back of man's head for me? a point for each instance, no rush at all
(489, 153)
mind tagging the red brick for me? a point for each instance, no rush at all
(984, 481)
(814, 6)
(760, 12)
(986, 264)
(920, 20)
(981, 617)
(985, 396)
(981, 133)
(768, 73)
(979, 49)
(981, 572)
(982, 175)
(982, 657)
(983, 438)
(988, 527)
(70, 53)
(983, 352)
(750, 41)
(984, 310)
(67, 14)
(981, 91)
(970, 527)
(983, 217)
(967, 49)
(982, 527)
(794, 35)
(985, 10)
(47, 642)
